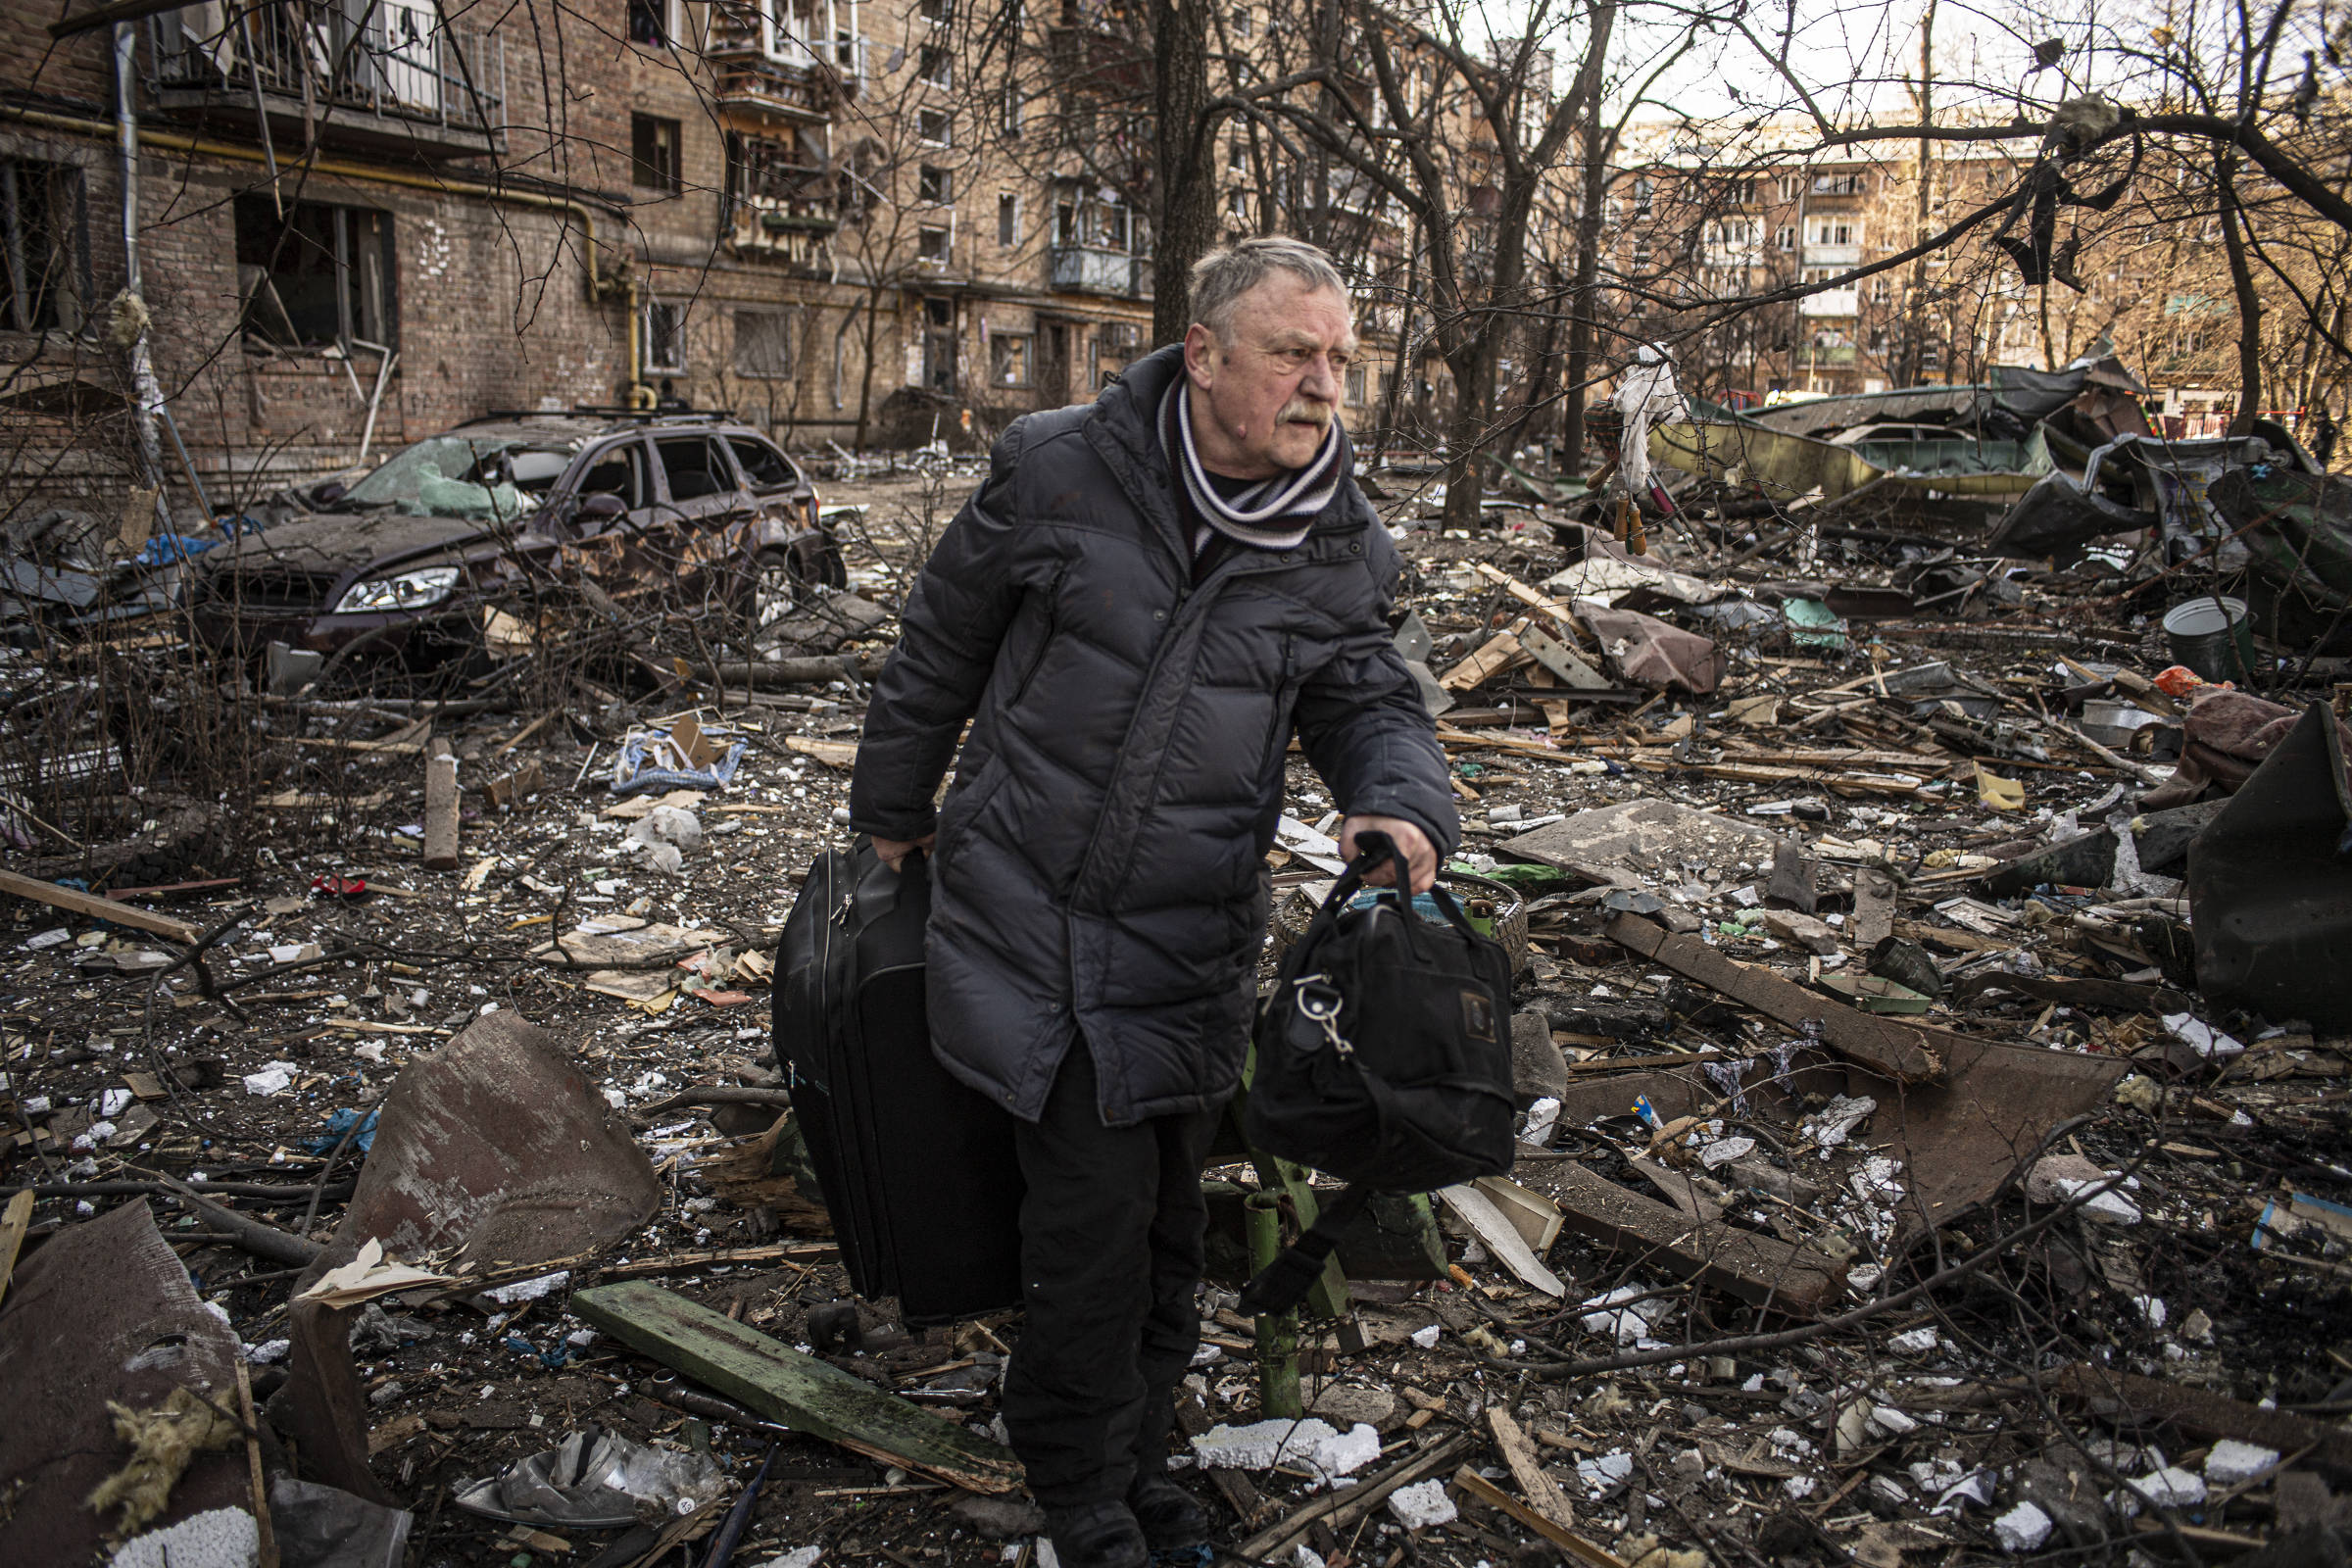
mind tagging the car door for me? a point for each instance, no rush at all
(612, 552)
(704, 507)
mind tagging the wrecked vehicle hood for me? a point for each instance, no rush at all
(327, 542)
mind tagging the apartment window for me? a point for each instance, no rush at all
(654, 161)
(1792, 186)
(663, 331)
(762, 343)
(1640, 255)
(1241, 21)
(1878, 340)
(936, 10)
(1882, 291)
(1236, 155)
(1833, 231)
(934, 127)
(1237, 205)
(1008, 219)
(1642, 196)
(1011, 354)
(1783, 238)
(934, 184)
(1355, 384)
(1011, 111)
(1846, 184)
(932, 246)
(320, 275)
(46, 284)
(649, 23)
(935, 66)
(1739, 192)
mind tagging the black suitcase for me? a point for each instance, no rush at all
(917, 1170)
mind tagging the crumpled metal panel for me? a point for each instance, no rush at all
(2269, 884)
(102, 1311)
(495, 1146)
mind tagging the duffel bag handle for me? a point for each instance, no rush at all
(1372, 847)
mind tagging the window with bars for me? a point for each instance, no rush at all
(763, 343)
(44, 220)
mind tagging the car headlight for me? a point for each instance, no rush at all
(411, 590)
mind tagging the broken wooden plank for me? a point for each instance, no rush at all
(75, 902)
(1519, 1456)
(12, 1226)
(833, 753)
(774, 1379)
(1760, 1270)
(1575, 1546)
(1554, 656)
(528, 779)
(1499, 653)
(1905, 1053)
(1874, 908)
(1341, 1509)
(1532, 599)
(441, 812)
(2202, 1413)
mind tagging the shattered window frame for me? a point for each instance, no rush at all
(763, 344)
(323, 276)
(1012, 360)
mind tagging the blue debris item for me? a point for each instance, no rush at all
(638, 768)
(340, 1123)
(166, 548)
(1647, 1112)
(551, 1359)
(1423, 905)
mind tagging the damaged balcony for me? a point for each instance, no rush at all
(389, 77)
(759, 83)
(1092, 270)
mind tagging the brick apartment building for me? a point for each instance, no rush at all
(367, 227)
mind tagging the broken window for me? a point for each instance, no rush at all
(46, 284)
(654, 154)
(934, 184)
(694, 467)
(932, 246)
(763, 466)
(1008, 219)
(617, 470)
(762, 343)
(934, 127)
(318, 276)
(663, 325)
(1010, 357)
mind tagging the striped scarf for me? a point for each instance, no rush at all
(1273, 513)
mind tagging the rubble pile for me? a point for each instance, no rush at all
(1932, 1064)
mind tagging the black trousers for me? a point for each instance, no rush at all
(1110, 1254)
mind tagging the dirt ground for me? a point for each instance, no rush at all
(1902, 1436)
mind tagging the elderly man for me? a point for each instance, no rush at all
(1144, 602)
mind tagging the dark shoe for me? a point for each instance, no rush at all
(1172, 1519)
(1096, 1534)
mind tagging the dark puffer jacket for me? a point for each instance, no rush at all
(1101, 866)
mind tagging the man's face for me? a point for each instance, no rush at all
(1263, 399)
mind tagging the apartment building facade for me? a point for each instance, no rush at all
(359, 223)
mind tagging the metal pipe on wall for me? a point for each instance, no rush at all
(147, 397)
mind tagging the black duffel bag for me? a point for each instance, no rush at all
(1383, 1057)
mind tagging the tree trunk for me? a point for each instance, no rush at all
(1404, 344)
(1184, 188)
(2249, 303)
(1584, 298)
(865, 379)
(1467, 430)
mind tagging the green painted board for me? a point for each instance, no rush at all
(771, 1378)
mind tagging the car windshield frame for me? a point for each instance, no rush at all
(444, 476)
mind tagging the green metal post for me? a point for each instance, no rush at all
(1278, 1396)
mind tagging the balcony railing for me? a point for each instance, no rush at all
(1833, 255)
(388, 62)
(759, 82)
(1831, 303)
(1091, 269)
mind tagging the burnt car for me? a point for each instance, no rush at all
(693, 511)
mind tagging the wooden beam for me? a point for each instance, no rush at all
(1577, 1548)
(441, 812)
(74, 901)
(12, 1226)
(774, 1379)
(1908, 1053)
(1519, 1456)
(1760, 1270)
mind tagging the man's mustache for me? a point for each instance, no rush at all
(1303, 410)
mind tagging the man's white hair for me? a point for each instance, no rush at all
(1222, 277)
